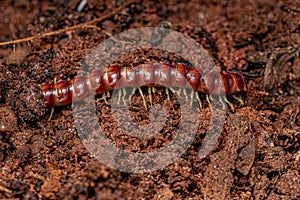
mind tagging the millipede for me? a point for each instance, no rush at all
(176, 77)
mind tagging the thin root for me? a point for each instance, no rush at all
(4, 189)
(72, 28)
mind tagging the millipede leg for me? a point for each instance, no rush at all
(172, 89)
(179, 93)
(199, 101)
(208, 101)
(124, 95)
(51, 113)
(239, 98)
(99, 99)
(56, 88)
(186, 97)
(119, 96)
(230, 104)
(103, 98)
(168, 95)
(144, 101)
(192, 98)
(153, 90)
(130, 96)
(150, 95)
(222, 102)
(52, 109)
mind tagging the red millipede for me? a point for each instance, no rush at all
(177, 75)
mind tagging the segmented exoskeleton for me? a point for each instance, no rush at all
(177, 75)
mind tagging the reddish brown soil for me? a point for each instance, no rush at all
(257, 155)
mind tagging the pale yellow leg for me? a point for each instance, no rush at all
(186, 96)
(199, 101)
(130, 96)
(168, 95)
(239, 98)
(102, 98)
(98, 100)
(51, 113)
(172, 89)
(108, 94)
(179, 93)
(150, 95)
(208, 101)
(222, 102)
(119, 96)
(153, 90)
(105, 96)
(124, 95)
(230, 105)
(192, 98)
(144, 101)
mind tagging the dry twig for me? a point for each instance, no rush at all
(81, 25)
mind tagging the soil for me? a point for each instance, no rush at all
(257, 155)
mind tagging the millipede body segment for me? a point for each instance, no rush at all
(177, 75)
